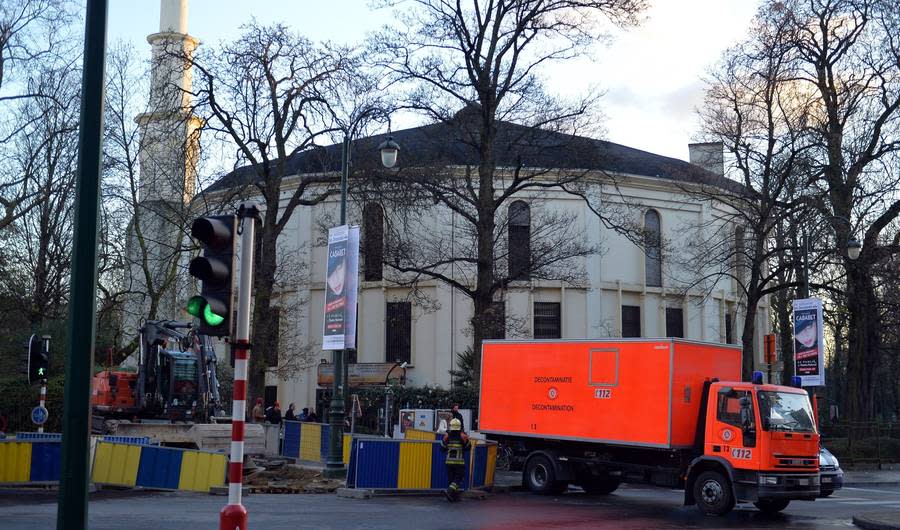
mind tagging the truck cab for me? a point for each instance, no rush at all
(764, 438)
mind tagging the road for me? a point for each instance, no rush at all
(628, 508)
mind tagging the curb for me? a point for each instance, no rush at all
(872, 484)
(878, 520)
(355, 493)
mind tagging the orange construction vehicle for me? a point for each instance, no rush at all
(667, 412)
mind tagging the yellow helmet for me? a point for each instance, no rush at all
(455, 424)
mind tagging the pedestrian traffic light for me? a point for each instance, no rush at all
(215, 270)
(38, 359)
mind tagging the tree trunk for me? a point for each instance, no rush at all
(262, 328)
(864, 343)
(785, 335)
(748, 340)
(484, 286)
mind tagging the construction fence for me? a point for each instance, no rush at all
(124, 462)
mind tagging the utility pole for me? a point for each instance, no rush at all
(72, 512)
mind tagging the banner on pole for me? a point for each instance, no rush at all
(339, 325)
(809, 342)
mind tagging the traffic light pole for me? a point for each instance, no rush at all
(72, 512)
(234, 514)
(42, 403)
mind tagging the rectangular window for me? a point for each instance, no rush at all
(728, 409)
(270, 395)
(547, 320)
(674, 322)
(398, 332)
(631, 321)
(729, 336)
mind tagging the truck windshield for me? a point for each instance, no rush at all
(785, 411)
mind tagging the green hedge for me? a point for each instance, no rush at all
(17, 399)
(372, 400)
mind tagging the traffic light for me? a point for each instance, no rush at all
(38, 359)
(215, 270)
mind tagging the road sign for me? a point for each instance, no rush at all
(39, 415)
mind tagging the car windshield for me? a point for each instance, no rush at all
(785, 411)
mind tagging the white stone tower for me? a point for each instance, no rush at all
(168, 156)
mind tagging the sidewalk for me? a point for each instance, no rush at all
(886, 520)
(872, 478)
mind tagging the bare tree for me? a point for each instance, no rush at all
(32, 37)
(847, 53)
(266, 95)
(754, 110)
(485, 57)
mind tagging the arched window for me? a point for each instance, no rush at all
(652, 249)
(519, 241)
(373, 242)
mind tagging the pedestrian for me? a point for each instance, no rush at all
(289, 415)
(273, 414)
(455, 443)
(304, 414)
(456, 414)
(313, 418)
(259, 413)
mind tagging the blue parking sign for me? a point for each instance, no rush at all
(39, 415)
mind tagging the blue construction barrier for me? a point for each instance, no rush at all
(26, 461)
(385, 463)
(309, 441)
(28, 436)
(140, 440)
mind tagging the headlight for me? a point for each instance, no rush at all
(768, 480)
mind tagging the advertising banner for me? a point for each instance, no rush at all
(809, 342)
(361, 374)
(339, 325)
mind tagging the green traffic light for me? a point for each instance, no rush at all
(211, 318)
(196, 305)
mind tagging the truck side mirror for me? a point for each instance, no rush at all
(746, 415)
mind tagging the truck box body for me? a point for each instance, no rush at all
(631, 392)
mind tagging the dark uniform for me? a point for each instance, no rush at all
(455, 443)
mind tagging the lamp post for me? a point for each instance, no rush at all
(388, 395)
(334, 463)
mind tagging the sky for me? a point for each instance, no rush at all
(651, 75)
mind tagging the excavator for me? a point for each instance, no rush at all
(173, 398)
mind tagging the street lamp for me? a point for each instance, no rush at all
(388, 395)
(854, 248)
(334, 463)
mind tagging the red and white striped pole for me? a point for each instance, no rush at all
(234, 516)
(43, 400)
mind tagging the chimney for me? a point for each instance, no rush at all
(709, 156)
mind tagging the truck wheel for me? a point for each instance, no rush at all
(772, 506)
(712, 493)
(600, 485)
(540, 476)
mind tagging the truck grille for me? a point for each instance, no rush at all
(796, 461)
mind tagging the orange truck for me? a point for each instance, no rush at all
(667, 412)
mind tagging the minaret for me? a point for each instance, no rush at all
(168, 156)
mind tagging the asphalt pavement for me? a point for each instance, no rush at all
(628, 508)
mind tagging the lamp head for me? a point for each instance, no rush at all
(854, 247)
(389, 152)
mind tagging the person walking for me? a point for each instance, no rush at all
(455, 443)
(259, 412)
(290, 415)
(304, 414)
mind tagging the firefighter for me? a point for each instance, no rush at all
(454, 444)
